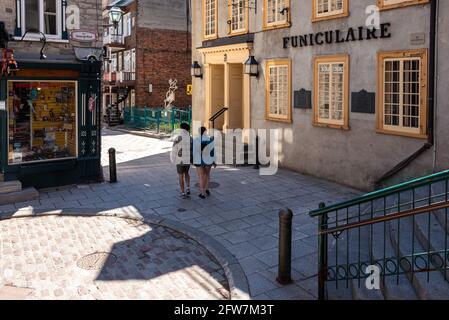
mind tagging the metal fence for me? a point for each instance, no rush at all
(156, 119)
(402, 230)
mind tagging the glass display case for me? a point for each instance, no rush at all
(42, 121)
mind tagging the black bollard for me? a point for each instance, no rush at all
(257, 165)
(112, 166)
(285, 247)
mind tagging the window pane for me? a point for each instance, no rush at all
(238, 18)
(41, 121)
(411, 93)
(32, 15)
(327, 7)
(402, 93)
(50, 6)
(210, 18)
(279, 95)
(274, 9)
(50, 17)
(331, 91)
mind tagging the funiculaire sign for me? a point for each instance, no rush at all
(338, 36)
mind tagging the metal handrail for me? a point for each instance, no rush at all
(383, 193)
(351, 225)
(390, 217)
(217, 115)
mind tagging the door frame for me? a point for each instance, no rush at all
(225, 55)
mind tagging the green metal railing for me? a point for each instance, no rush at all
(380, 229)
(156, 119)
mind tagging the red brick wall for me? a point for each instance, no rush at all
(162, 55)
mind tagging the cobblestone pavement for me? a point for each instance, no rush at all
(241, 214)
(59, 257)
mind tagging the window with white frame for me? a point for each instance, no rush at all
(127, 25)
(133, 60)
(210, 18)
(114, 62)
(277, 13)
(120, 61)
(106, 66)
(331, 91)
(329, 8)
(127, 61)
(238, 14)
(278, 86)
(44, 16)
(403, 92)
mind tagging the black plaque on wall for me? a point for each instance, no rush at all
(302, 99)
(363, 102)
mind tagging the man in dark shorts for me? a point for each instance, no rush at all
(183, 168)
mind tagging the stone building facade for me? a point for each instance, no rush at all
(353, 103)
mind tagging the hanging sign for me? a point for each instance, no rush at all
(83, 36)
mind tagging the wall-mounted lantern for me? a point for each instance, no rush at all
(252, 67)
(115, 14)
(197, 71)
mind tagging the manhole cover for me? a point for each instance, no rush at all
(182, 210)
(96, 261)
(212, 185)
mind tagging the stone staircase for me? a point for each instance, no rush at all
(237, 160)
(12, 192)
(422, 233)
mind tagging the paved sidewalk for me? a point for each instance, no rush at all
(242, 213)
(100, 257)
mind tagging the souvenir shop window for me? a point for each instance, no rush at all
(41, 121)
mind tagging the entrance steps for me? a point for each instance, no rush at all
(236, 160)
(10, 186)
(12, 192)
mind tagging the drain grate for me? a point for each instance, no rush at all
(96, 261)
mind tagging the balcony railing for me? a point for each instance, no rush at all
(113, 39)
(126, 76)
